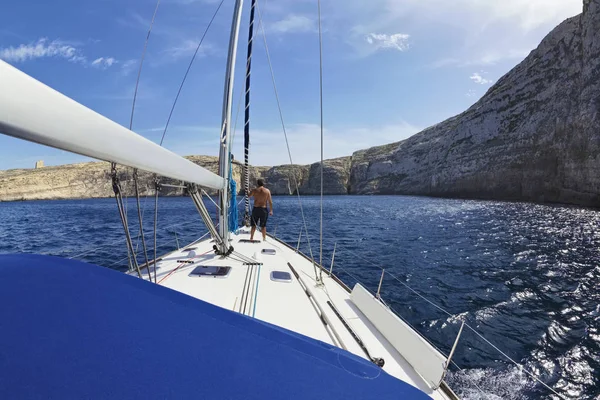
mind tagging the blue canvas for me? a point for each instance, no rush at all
(71, 330)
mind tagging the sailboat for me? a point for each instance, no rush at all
(223, 317)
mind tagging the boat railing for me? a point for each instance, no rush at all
(174, 231)
(460, 321)
(386, 277)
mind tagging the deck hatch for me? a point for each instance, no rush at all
(281, 276)
(210, 270)
(270, 252)
(248, 241)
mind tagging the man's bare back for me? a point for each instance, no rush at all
(261, 196)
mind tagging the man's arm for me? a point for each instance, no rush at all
(270, 200)
(250, 193)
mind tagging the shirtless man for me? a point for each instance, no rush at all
(260, 212)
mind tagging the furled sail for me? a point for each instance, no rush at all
(247, 115)
(32, 111)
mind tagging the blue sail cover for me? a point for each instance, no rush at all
(71, 330)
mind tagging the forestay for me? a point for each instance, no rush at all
(32, 111)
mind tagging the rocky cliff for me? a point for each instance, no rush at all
(534, 136)
(92, 180)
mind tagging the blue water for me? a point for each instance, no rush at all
(526, 276)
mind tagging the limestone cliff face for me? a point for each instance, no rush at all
(92, 180)
(336, 174)
(283, 179)
(535, 135)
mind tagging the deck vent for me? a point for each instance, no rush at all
(211, 270)
(270, 252)
(281, 276)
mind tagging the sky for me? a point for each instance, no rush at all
(390, 67)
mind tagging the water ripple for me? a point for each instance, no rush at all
(526, 276)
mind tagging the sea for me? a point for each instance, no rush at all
(524, 277)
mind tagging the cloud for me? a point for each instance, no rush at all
(294, 23)
(268, 146)
(186, 48)
(458, 32)
(129, 66)
(396, 41)
(524, 15)
(485, 57)
(477, 78)
(104, 62)
(43, 48)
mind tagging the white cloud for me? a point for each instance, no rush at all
(525, 15)
(485, 57)
(477, 78)
(458, 32)
(187, 47)
(396, 41)
(104, 62)
(43, 48)
(268, 146)
(294, 23)
(129, 66)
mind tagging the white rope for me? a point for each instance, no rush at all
(531, 374)
(287, 143)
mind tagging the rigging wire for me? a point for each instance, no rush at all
(156, 190)
(188, 69)
(137, 81)
(135, 171)
(119, 240)
(116, 184)
(321, 109)
(173, 106)
(287, 143)
(140, 219)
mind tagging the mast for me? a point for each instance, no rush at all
(247, 116)
(225, 145)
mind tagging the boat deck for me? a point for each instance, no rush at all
(252, 290)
